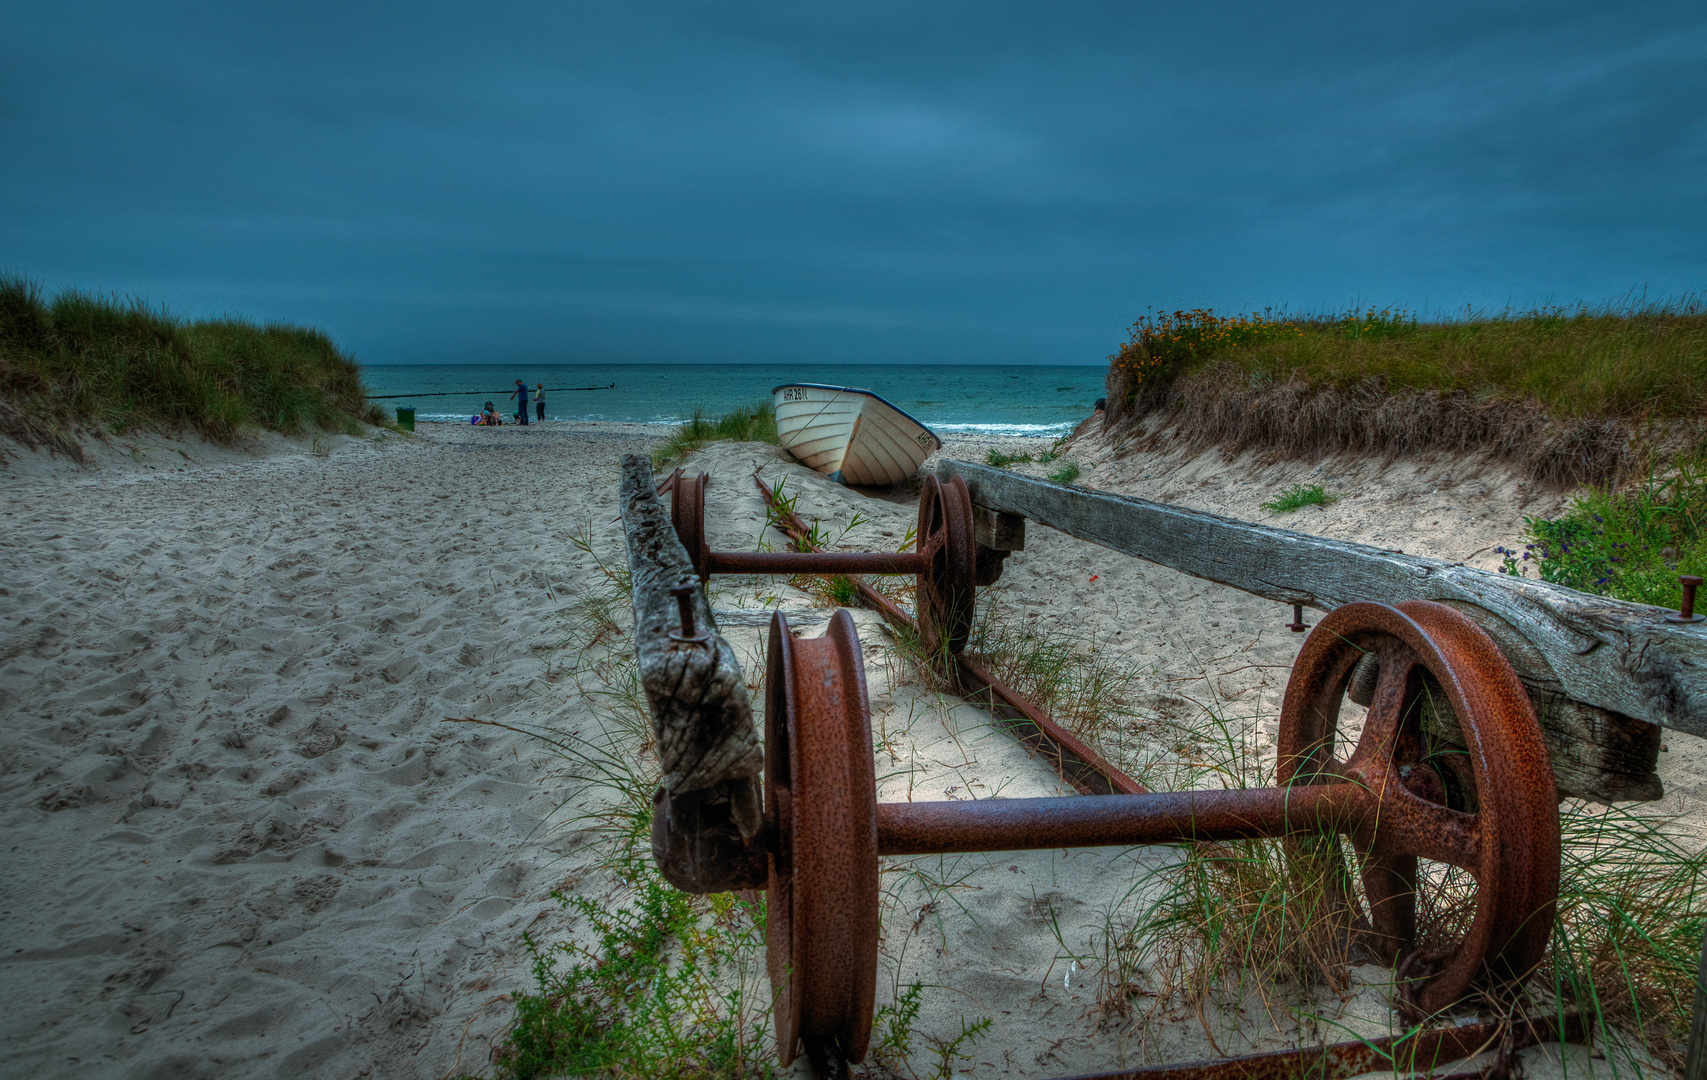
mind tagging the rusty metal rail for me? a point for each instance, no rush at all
(1076, 762)
(1414, 1052)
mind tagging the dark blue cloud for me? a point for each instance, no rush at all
(772, 182)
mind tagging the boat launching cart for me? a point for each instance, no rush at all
(1546, 693)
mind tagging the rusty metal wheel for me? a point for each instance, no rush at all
(821, 804)
(687, 514)
(1488, 808)
(947, 592)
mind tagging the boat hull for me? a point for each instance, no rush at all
(852, 436)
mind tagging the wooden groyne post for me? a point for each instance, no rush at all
(708, 817)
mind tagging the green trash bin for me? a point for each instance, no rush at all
(406, 418)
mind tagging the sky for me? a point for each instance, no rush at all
(709, 182)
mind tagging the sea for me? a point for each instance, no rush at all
(1007, 400)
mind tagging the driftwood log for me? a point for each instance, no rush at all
(708, 816)
(1605, 675)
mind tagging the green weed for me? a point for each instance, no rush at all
(756, 423)
(1629, 544)
(836, 590)
(1300, 495)
(661, 986)
(1066, 474)
(892, 1026)
(1001, 461)
(949, 1051)
(839, 590)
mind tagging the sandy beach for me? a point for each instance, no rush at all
(252, 832)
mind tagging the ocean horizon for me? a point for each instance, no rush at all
(948, 398)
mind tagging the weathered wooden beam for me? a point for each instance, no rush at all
(708, 816)
(1596, 667)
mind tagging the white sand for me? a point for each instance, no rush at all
(245, 840)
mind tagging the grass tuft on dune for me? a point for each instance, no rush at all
(79, 360)
(755, 423)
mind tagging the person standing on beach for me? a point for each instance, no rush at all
(539, 401)
(520, 393)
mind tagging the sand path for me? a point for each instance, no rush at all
(247, 842)
(244, 839)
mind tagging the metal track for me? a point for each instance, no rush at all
(1086, 770)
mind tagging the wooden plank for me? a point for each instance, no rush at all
(1618, 656)
(1597, 668)
(708, 815)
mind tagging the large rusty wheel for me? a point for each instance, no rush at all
(687, 515)
(947, 592)
(1489, 809)
(821, 802)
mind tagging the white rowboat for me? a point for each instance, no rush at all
(852, 436)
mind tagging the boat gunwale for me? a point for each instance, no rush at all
(856, 390)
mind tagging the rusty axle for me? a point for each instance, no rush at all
(941, 828)
(944, 559)
(816, 562)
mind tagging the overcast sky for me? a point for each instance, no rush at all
(855, 182)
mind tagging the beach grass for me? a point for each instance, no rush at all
(84, 361)
(1067, 675)
(755, 423)
(1631, 360)
(1575, 395)
(1066, 474)
(1297, 497)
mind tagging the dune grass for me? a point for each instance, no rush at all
(1644, 360)
(1299, 496)
(80, 360)
(999, 460)
(1575, 395)
(755, 423)
(1066, 474)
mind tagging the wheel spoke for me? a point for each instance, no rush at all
(1390, 883)
(1387, 717)
(1414, 826)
